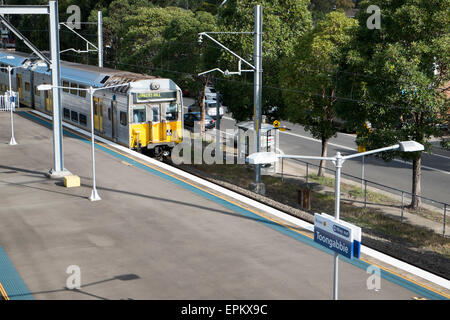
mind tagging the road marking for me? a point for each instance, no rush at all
(437, 155)
(354, 149)
(303, 224)
(3, 292)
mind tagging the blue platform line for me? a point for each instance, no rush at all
(424, 292)
(11, 281)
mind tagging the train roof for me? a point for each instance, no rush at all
(83, 74)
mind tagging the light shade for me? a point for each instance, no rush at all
(44, 87)
(410, 146)
(262, 158)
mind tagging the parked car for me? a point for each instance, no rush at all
(210, 108)
(192, 119)
(211, 93)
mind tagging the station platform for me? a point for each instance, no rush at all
(154, 234)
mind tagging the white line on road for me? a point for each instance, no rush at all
(354, 149)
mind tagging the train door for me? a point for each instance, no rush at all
(19, 86)
(114, 120)
(48, 101)
(156, 130)
(98, 114)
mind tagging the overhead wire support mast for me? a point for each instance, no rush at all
(58, 170)
(257, 186)
(98, 48)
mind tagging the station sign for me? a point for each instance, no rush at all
(338, 236)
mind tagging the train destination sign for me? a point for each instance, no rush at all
(151, 96)
(338, 236)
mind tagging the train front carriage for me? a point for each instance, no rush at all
(155, 115)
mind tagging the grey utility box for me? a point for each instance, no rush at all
(269, 143)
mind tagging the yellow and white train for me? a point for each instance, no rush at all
(148, 114)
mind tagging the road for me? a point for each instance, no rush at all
(396, 174)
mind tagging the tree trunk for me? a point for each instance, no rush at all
(416, 201)
(324, 154)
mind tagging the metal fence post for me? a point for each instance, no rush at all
(403, 197)
(282, 169)
(307, 167)
(445, 212)
(365, 193)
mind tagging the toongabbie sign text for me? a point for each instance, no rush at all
(339, 236)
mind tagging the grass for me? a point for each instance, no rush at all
(372, 220)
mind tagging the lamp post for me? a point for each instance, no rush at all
(338, 161)
(43, 87)
(12, 142)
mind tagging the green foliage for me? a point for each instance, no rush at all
(309, 75)
(181, 52)
(403, 100)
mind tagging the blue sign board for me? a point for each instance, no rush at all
(338, 236)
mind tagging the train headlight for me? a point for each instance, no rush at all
(154, 86)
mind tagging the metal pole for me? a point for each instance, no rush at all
(258, 87)
(365, 193)
(218, 153)
(94, 194)
(100, 39)
(403, 199)
(307, 173)
(445, 212)
(362, 171)
(337, 197)
(282, 169)
(58, 159)
(12, 142)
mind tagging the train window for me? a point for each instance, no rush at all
(109, 114)
(83, 119)
(74, 116)
(138, 114)
(82, 93)
(74, 91)
(36, 91)
(155, 110)
(66, 84)
(27, 86)
(66, 113)
(172, 112)
(123, 118)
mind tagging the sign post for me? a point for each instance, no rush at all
(339, 236)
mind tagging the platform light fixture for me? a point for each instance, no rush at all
(13, 141)
(44, 87)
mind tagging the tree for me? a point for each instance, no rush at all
(283, 22)
(400, 89)
(180, 51)
(320, 8)
(309, 77)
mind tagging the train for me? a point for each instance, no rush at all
(145, 116)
